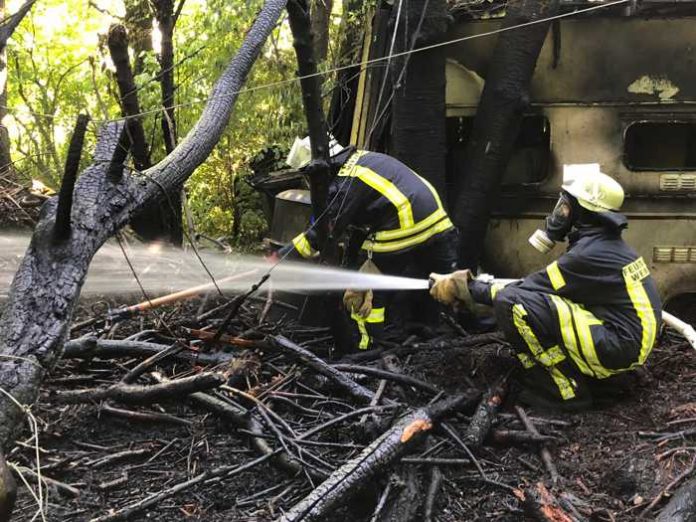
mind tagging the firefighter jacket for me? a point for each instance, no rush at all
(397, 209)
(600, 297)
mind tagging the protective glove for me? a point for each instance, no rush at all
(452, 288)
(358, 302)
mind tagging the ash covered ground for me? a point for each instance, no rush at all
(616, 463)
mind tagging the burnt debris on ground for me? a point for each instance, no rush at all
(146, 418)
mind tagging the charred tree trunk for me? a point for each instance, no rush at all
(343, 97)
(152, 223)
(418, 134)
(138, 22)
(303, 39)
(321, 23)
(35, 320)
(164, 14)
(503, 101)
(128, 92)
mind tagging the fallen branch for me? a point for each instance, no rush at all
(145, 417)
(390, 376)
(440, 345)
(355, 390)
(483, 418)
(130, 393)
(86, 347)
(406, 434)
(544, 452)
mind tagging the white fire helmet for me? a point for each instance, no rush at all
(593, 189)
(301, 151)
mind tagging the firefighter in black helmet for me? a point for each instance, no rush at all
(592, 314)
(396, 216)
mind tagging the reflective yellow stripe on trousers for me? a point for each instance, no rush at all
(376, 316)
(548, 358)
(574, 318)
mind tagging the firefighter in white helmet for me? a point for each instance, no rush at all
(394, 217)
(591, 314)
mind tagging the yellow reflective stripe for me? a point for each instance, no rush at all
(376, 316)
(495, 288)
(550, 357)
(364, 335)
(347, 168)
(388, 190)
(526, 360)
(583, 320)
(390, 235)
(565, 319)
(302, 246)
(394, 246)
(554, 273)
(634, 274)
(565, 385)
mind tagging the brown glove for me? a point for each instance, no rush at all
(358, 302)
(452, 288)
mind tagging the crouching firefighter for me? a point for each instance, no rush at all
(395, 218)
(592, 314)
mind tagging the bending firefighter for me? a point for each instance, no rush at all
(592, 314)
(395, 219)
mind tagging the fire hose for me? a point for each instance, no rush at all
(683, 328)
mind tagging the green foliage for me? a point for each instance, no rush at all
(59, 67)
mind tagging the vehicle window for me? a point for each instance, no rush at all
(530, 158)
(660, 145)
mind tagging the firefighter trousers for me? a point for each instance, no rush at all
(561, 343)
(438, 254)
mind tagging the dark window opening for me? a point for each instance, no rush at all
(660, 145)
(530, 158)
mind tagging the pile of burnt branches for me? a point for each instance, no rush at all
(19, 208)
(371, 426)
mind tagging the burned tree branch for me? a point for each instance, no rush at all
(354, 389)
(9, 24)
(128, 92)
(135, 394)
(498, 117)
(301, 26)
(47, 284)
(378, 456)
(61, 230)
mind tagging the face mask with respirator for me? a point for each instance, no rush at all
(558, 224)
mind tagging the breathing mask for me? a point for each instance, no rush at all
(558, 225)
